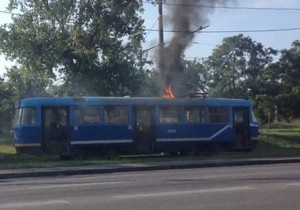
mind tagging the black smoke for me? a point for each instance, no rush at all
(185, 18)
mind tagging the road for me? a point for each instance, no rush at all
(275, 186)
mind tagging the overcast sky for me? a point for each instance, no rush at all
(238, 17)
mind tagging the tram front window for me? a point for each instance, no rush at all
(25, 116)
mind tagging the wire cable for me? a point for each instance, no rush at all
(151, 28)
(230, 7)
(231, 31)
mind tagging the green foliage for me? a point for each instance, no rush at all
(92, 45)
(281, 86)
(5, 94)
(264, 108)
(21, 83)
(289, 96)
(194, 79)
(242, 68)
(151, 87)
(235, 69)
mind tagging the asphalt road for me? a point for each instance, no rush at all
(275, 186)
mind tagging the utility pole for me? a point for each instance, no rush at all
(160, 35)
(160, 20)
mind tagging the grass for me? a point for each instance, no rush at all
(5, 144)
(280, 140)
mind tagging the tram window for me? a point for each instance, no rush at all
(169, 115)
(195, 114)
(143, 116)
(26, 116)
(55, 116)
(116, 114)
(87, 115)
(239, 117)
(218, 114)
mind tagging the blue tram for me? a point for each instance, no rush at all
(132, 125)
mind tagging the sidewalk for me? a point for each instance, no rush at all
(111, 168)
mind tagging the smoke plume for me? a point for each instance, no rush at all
(185, 18)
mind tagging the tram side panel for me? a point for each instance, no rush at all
(193, 128)
(182, 137)
(101, 129)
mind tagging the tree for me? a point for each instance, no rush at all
(21, 83)
(242, 68)
(288, 98)
(264, 108)
(290, 63)
(91, 44)
(4, 95)
(235, 69)
(151, 87)
(194, 79)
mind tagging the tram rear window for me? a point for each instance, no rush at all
(25, 116)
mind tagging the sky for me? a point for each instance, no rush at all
(253, 15)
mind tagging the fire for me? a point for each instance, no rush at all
(169, 92)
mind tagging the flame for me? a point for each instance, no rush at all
(169, 92)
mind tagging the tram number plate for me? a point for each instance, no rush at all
(171, 131)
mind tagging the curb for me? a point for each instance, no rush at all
(113, 168)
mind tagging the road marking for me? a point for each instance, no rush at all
(297, 184)
(174, 193)
(74, 185)
(31, 204)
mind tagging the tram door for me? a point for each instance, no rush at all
(144, 129)
(242, 128)
(55, 129)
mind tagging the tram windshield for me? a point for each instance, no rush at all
(25, 116)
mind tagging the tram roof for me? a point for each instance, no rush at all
(142, 101)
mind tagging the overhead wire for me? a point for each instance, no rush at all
(216, 31)
(151, 28)
(229, 7)
(233, 31)
(232, 8)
